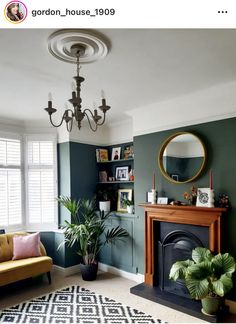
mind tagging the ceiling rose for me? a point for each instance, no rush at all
(60, 44)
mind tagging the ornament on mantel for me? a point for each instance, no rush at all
(205, 196)
(191, 196)
(154, 192)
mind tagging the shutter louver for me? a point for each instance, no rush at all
(10, 182)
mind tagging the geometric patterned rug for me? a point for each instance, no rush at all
(74, 305)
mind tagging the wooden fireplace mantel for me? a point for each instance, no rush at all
(192, 215)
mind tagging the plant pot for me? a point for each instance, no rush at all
(89, 271)
(211, 305)
(130, 209)
(105, 206)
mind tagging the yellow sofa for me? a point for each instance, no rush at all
(14, 270)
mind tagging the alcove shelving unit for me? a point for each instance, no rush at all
(110, 168)
(121, 254)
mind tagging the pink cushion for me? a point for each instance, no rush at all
(26, 246)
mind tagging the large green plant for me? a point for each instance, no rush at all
(88, 228)
(206, 274)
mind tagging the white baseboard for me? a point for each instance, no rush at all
(66, 271)
(139, 278)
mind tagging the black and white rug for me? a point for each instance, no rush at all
(74, 305)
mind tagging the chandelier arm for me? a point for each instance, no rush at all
(104, 119)
(69, 128)
(54, 125)
(90, 124)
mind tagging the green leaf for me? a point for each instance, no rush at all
(71, 205)
(200, 254)
(224, 264)
(116, 233)
(178, 269)
(199, 271)
(223, 285)
(198, 288)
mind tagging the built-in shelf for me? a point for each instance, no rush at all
(116, 161)
(106, 182)
(122, 214)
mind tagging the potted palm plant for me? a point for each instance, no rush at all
(208, 277)
(88, 231)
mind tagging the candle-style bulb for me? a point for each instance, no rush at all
(49, 96)
(102, 94)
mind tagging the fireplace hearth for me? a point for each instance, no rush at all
(171, 233)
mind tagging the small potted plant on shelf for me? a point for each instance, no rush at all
(208, 277)
(104, 199)
(129, 204)
(87, 230)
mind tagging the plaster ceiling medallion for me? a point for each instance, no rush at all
(93, 46)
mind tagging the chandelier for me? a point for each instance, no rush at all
(76, 51)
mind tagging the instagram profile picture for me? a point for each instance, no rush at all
(15, 12)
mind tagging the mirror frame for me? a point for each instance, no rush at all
(160, 158)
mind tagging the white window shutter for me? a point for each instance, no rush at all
(41, 182)
(10, 182)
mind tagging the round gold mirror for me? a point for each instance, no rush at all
(182, 157)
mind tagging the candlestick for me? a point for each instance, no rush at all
(211, 179)
(154, 181)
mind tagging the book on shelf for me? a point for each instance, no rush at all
(102, 155)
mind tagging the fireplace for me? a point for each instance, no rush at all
(171, 233)
(174, 242)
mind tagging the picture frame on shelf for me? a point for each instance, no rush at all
(128, 152)
(122, 173)
(103, 155)
(123, 194)
(205, 197)
(115, 155)
(102, 176)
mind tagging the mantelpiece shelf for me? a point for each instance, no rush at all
(115, 161)
(111, 182)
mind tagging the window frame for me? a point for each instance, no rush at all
(23, 138)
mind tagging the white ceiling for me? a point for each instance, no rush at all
(142, 68)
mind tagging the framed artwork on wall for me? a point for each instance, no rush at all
(123, 194)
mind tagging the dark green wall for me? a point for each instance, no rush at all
(220, 140)
(84, 171)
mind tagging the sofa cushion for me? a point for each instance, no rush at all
(26, 246)
(5, 248)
